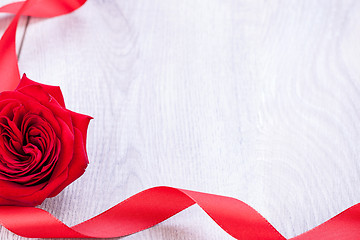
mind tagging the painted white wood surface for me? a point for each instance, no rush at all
(258, 100)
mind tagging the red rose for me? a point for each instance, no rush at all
(42, 144)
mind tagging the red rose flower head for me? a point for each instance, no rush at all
(42, 144)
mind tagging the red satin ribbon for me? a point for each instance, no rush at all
(151, 206)
(155, 205)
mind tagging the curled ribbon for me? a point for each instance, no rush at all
(151, 206)
(155, 205)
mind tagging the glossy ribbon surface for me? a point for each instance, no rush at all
(151, 206)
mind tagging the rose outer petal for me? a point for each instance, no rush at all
(38, 92)
(36, 194)
(54, 91)
(81, 122)
(77, 166)
(10, 190)
(67, 140)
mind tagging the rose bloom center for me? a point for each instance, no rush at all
(29, 147)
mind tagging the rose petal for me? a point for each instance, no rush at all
(54, 91)
(78, 164)
(81, 122)
(67, 149)
(9, 190)
(35, 107)
(31, 198)
(37, 92)
(49, 102)
(7, 107)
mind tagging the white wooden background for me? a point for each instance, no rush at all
(258, 100)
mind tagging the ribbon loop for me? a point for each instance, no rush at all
(9, 69)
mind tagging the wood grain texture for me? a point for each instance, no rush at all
(257, 100)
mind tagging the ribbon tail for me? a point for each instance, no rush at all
(140, 212)
(344, 226)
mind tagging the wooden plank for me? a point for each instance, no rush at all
(250, 99)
